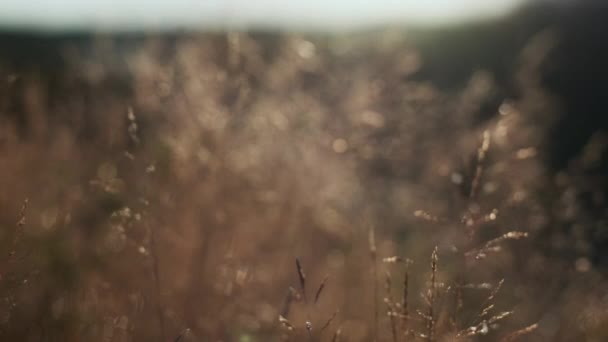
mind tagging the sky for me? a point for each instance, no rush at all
(278, 14)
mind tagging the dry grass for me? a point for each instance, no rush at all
(173, 182)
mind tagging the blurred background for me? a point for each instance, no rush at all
(163, 164)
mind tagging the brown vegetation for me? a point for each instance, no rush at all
(164, 187)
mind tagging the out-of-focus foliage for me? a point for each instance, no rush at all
(172, 181)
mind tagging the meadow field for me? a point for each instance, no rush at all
(389, 185)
